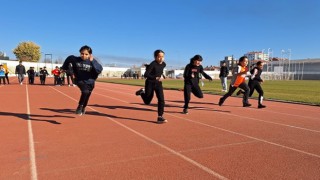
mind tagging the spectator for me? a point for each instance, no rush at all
(20, 71)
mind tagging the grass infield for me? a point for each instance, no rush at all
(299, 91)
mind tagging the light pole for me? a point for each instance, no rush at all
(289, 56)
(262, 54)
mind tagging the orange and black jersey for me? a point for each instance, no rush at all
(236, 78)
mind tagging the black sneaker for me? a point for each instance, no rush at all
(161, 120)
(138, 93)
(221, 102)
(185, 111)
(79, 110)
(239, 92)
(246, 105)
(261, 106)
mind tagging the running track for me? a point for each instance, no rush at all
(42, 138)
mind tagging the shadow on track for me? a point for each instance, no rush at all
(31, 117)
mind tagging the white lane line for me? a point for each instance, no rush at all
(193, 162)
(266, 110)
(247, 136)
(238, 116)
(32, 156)
(232, 132)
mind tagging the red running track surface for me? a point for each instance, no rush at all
(42, 138)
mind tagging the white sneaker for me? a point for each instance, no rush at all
(69, 85)
(21, 83)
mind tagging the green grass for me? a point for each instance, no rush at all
(302, 91)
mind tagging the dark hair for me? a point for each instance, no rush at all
(259, 63)
(242, 59)
(85, 47)
(156, 52)
(196, 57)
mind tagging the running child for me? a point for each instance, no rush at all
(238, 80)
(255, 82)
(154, 76)
(192, 74)
(86, 70)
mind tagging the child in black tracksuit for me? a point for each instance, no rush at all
(154, 76)
(86, 70)
(192, 74)
(254, 83)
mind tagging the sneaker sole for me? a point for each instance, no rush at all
(161, 122)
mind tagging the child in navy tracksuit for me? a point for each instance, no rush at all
(154, 76)
(192, 74)
(86, 70)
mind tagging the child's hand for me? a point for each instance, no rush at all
(159, 78)
(91, 57)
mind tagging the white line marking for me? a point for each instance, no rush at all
(254, 119)
(232, 132)
(204, 168)
(247, 136)
(32, 156)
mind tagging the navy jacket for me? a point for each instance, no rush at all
(84, 70)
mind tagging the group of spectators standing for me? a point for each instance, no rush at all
(20, 71)
(59, 76)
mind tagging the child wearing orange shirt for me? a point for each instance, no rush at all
(238, 80)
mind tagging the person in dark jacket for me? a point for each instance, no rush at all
(154, 76)
(86, 70)
(224, 71)
(255, 82)
(20, 71)
(70, 75)
(193, 72)
(31, 75)
(43, 74)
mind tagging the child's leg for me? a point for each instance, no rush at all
(186, 94)
(252, 85)
(260, 91)
(7, 78)
(160, 96)
(229, 93)
(149, 91)
(196, 91)
(246, 93)
(85, 93)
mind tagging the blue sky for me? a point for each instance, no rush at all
(127, 32)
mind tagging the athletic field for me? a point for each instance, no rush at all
(118, 137)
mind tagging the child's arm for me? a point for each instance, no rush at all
(205, 74)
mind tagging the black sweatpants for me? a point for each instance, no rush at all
(152, 86)
(31, 79)
(255, 85)
(56, 80)
(246, 93)
(86, 90)
(7, 78)
(188, 88)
